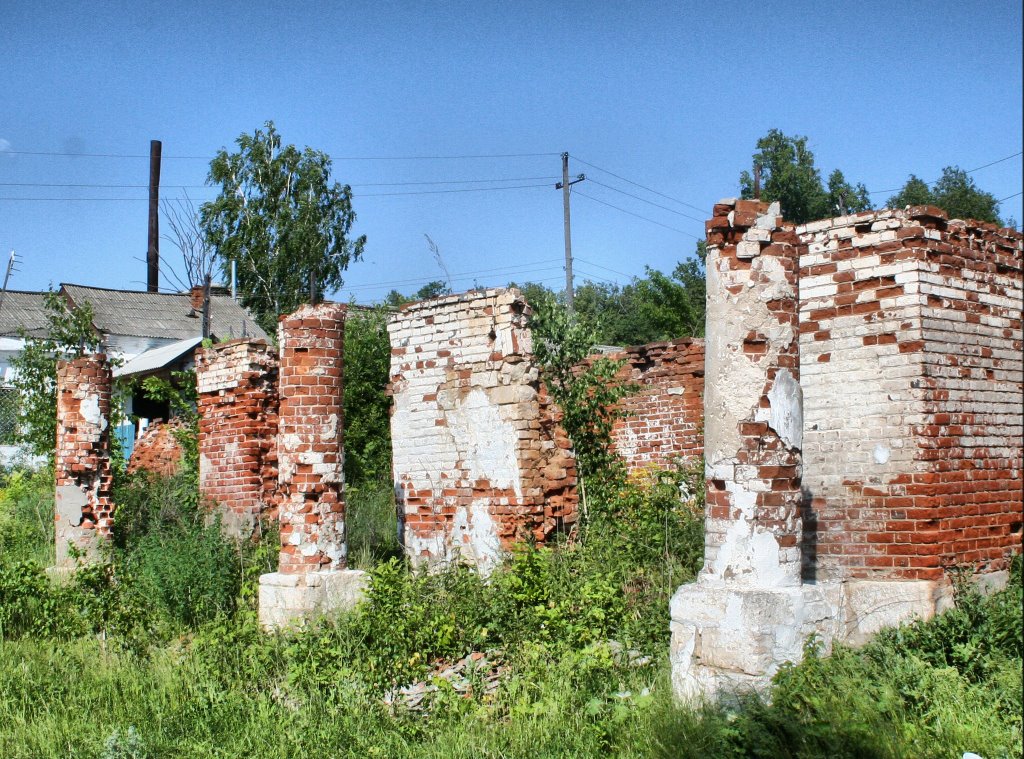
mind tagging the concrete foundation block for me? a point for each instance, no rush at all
(290, 600)
(728, 638)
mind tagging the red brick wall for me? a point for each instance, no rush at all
(84, 509)
(480, 460)
(910, 353)
(310, 439)
(664, 420)
(157, 450)
(973, 392)
(236, 384)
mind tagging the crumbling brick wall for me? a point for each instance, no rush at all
(753, 397)
(310, 440)
(157, 450)
(911, 363)
(663, 421)
(236, 383)
(480, 460)
(84, 511)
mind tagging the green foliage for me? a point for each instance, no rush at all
(26, 516)
(788, 175)
(954, 192)
(181, 395)
(171, 554)
(648, 309)
(587, 395)
(371, 524)
(70, 334)
(367, 404)
(280, 219)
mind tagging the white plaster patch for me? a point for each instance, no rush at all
(882, 454)
(787, 409)
(90, 410)
(479, 539)
(486, 442)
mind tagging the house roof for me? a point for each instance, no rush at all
(157, 358)
(168, 315)
(23, 311)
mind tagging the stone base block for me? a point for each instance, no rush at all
(728, 638)
(289, 600)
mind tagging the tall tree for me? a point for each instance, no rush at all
(954, 192)
(282, 220)
(69, 334)
(788, 175)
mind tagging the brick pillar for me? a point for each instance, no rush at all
(746, 614)
(753, 419)
(310, 446)
(84, 512)
(237, 404)
(312, 579)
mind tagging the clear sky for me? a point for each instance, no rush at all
(672, 96)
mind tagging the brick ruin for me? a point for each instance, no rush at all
(480, 460)
(157, 450)
(237, 401)
(901, 330)
(663, 421)
(83, 511)
(914, 322)
(857, 401)
(312, 578)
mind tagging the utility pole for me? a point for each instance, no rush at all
(564, 186)
(153, 252)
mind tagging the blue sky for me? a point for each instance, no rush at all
(672, 96)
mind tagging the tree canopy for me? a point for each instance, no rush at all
(789, 175)
(955, 193)
(70, 334)
(281, 219)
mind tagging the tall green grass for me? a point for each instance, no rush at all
(158, 653)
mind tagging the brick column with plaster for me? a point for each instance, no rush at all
(312, 577)
(84, 511)
(742, 618)
(237, 404)
(480, 460)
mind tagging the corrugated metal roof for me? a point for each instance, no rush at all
(145, 314)
(23, 311)
(157, 358)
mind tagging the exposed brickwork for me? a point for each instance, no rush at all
(911, 362)
(84, 511)
(310, 442)
(752, 399)
(480, 460)
(664, 420)
(236, 384)
(157, 450)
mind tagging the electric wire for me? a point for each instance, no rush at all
(642, 187)
(623, 210)
(213, 187)
(968, 171)
(55, 154)
(645, 200)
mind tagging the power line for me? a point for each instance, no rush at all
(969, 171)
(642, 187)
(506, 271)
(644, 200)
(211, 187)
(333, 158)
(362, 195)
(623, 210)
(613, 271)
(1010, 196)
